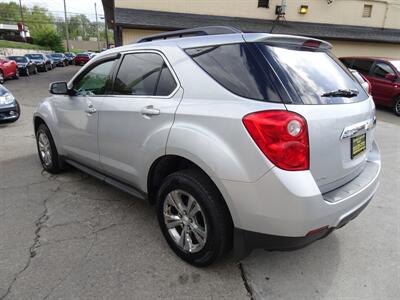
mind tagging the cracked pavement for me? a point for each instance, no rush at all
(71, 236)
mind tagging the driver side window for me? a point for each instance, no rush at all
(96, 81)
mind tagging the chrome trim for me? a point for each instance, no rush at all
(358, 128)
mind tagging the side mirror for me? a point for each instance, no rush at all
(390, 77)
(59, 88)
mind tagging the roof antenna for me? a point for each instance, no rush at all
(280, 11)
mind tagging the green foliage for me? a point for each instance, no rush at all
(50, 38)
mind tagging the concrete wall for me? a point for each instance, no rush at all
(348, 48)
(132, 35)
(20, 52)
(385, 13)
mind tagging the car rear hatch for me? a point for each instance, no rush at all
(338, 111)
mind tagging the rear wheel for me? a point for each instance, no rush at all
(193, 218)
(1, 77)
(47, 150)
(396, 106)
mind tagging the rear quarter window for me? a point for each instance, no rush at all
(237, 70)
(362, 65)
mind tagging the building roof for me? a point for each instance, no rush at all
(137, 18)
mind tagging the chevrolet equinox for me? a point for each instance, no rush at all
(240, 140)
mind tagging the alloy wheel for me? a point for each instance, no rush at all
(397, 107)
(185, 221)
(45, 149)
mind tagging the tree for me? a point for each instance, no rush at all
(50, 38)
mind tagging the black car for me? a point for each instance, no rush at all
(60, 59)
(70, 56)
(53, 64)
(9, 107)
(42, 62)
(25, 65)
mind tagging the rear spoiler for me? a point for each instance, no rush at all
(282, 39)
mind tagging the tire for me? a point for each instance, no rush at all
(47, 150)
(1, 77)
(45, 68)
(396, 107)
(35, 71)
(16, 76)
(208, 219)
(27, 72)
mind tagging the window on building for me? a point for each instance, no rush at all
(367, 12)
(363, 66)
(381, 70)
(144, 74)
(263, 3)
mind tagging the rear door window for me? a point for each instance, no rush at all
(144, 74)
(314, 73)
(381, 70)
(236, 69)
(362, 65)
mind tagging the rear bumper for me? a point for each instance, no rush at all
(285, 207)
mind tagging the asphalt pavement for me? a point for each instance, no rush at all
(71, 236)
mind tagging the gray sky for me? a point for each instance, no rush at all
(73, 6)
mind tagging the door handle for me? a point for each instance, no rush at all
(90, 110)
(150, 111)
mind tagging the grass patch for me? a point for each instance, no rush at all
(17, 45)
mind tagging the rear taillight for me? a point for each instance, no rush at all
(282, 136)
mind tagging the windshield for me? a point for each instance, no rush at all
(57, 55)
(396, 64)
(19, 59)
(317, 76)
(35, 56)
(82, 55)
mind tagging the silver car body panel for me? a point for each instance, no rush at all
(202, 122)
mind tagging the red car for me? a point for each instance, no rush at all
(8, 69)
(384, 76)
(82, 58)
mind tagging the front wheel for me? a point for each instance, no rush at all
(16, 76)
(27, 72)
(396, 106)
(1, 77)
(47, 150)
(193, 217)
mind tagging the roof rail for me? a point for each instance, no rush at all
(198, 31)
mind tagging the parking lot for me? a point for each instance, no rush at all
(70, 236)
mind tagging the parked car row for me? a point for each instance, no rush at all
(383, 75)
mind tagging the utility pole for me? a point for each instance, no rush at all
(22, 21)
(97, 28)
(105, 30)
(66, 25)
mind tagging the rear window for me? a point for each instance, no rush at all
(237, 70)
(83, 55)
(35, 56)
(314, 73)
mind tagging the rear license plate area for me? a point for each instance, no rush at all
(358, 145)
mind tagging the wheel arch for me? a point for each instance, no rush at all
(168, 164)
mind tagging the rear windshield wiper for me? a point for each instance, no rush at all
(348, 93)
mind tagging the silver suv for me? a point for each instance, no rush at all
(241, 140)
